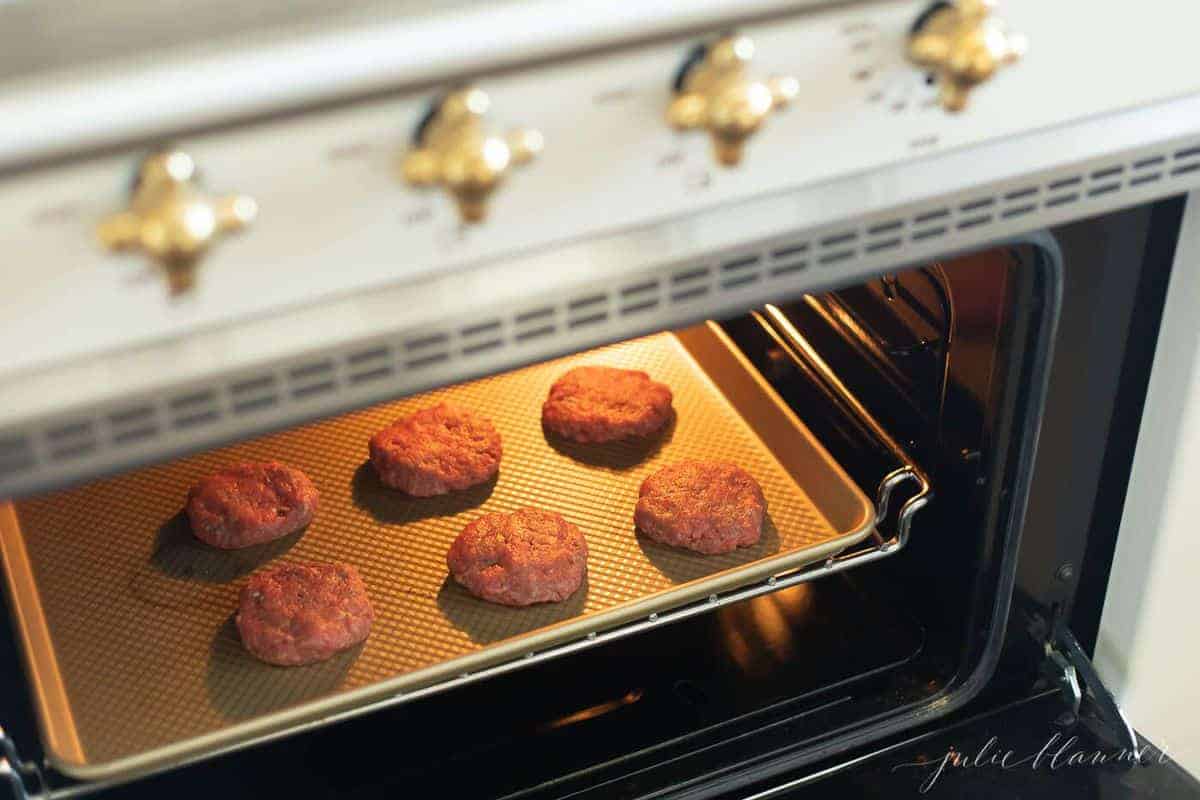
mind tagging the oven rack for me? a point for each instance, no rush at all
(28, 780)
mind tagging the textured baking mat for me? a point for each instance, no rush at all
(128, 619)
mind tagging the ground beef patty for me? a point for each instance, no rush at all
(250, 504)
(295, 614)
(602, 404)
(436, 450)
(528, 556)
(707, 506)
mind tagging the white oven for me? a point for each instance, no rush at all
(929, 266)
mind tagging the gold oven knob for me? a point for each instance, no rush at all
(714, 92)
(171, 220)
(962, 46)
(451, 148)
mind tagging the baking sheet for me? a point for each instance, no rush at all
(127, 619)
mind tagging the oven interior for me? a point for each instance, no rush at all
(942, 365)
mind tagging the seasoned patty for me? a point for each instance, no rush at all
(603, 404)
(251, 503)
(437, 450)
(528, 556)
(706, 506)
(294, 614)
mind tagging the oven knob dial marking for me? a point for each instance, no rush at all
(715, 93)
(452, 149)
(171, 219)
(962, 46)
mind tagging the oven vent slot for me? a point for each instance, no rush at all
(372, 364)
(254, 393)
(426, 361)
(311, 379)
(789, 259)
(16, 455)
(133, 424)
(1061, 199)
(1064, 183)
(533, 324)
(72, 440)
(193, 409)
(639, 298)
(930, 216)
(689, 276)
(691, 284)
(790, 252)
(741, 271)
(426, 342)
(426, 349)
(480, 337)
(976, 205)
(588, 310)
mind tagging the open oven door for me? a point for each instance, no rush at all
(1070, 742)
(1070, 739)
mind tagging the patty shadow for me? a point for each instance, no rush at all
(621, 454)
(179, 554)
(240, 686)
(681, 566)
(392, 506)
(488, 622)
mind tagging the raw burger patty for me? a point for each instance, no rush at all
(436, 450)
(295, 614)
(528, 556)
(707, 506)
(603, 404)
(250, 504)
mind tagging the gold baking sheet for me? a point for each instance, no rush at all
(127, 619)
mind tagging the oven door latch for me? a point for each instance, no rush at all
(23, 778)
(1088, 698)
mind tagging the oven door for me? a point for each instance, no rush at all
(1028, 750)
(1004, 744)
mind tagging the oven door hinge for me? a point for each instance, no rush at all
(1071, 670)
(23, 779)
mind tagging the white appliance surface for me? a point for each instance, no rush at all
(335, 219)
(1148, 649)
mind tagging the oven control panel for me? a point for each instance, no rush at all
(599, 162)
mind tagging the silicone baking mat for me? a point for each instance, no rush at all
(128, 620)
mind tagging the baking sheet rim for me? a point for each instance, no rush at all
(512, 652)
